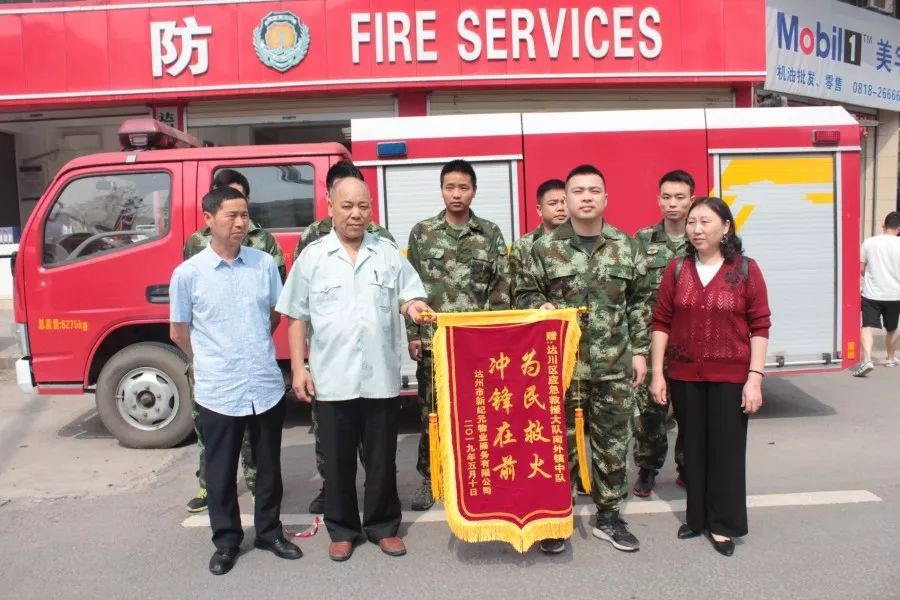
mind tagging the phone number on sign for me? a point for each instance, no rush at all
(876, 91)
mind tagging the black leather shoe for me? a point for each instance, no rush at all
(222, 561)
(725, 547)
(280, 547)
(686, 533)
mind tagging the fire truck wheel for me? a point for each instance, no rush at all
(144, 398)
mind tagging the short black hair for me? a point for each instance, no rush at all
(460, 166)
(678, 176)
(225, 177)
(550, 184)
(585, 170)
(213, 200)
(892, 220)
(341, 170)
(731, 243)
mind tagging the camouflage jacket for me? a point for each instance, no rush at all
(257, 237)
(467, 273)
(612, 282)
(659, 250)
(320, 229)
(519, 253)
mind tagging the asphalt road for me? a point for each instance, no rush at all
(86, 518)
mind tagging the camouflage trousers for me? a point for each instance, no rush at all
(426, 393)
(651, 439)
(247, 462)
(609, 412)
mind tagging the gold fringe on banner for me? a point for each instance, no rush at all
(492, 529)
(434, 457)
(583, 472)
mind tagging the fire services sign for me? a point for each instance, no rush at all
(834, 51)
(175, 50)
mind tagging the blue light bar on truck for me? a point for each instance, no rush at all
(391, 149)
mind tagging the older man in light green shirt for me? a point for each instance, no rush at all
(347, 291)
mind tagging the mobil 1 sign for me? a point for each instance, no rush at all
(834, 51)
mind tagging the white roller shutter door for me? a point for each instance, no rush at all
(412, 193)
(785, 206)
(289, 110)
(449, 103)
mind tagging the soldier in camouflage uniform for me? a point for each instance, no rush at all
(319, 229)
(660, 244)
(551, 208)
(462, 262)
(258, 238)
(588, 262)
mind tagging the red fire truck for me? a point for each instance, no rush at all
(97, 253)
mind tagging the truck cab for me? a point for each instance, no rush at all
(96, 256)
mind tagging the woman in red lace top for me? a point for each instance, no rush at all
(711, 328)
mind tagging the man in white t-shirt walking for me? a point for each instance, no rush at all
(880, 268)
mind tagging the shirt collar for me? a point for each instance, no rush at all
(566, 231)
(333, 243)
(215, 261)
(474, 223)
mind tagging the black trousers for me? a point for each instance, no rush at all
(223, 436)
(342, 426)
(715, 449)
(678, 412)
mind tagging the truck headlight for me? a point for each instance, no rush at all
(22, 338)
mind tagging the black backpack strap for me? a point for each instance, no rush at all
(678, 266)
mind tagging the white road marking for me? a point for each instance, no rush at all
(584, 508)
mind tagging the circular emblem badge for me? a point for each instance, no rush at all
(281, 40)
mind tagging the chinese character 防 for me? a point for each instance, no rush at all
(536, 465)
(504, 436)
(163, 52)
(883, 56)
(501, 399)
(499, 364)
(530, 367)
(534, 432)
(507, 468)
(531, 397)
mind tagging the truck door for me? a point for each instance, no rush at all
(102, 256)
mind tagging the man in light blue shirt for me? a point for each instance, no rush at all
(347, 291)
(222, 317)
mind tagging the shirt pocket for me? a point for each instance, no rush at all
(617, 281)
(563, 285)
(482, 266)
(434, 261)
(326, 296)
(381, 288)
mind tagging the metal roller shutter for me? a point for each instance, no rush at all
(413, 194)
(448, 103)
(289, 110)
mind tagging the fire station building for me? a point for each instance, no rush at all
(263, 71)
